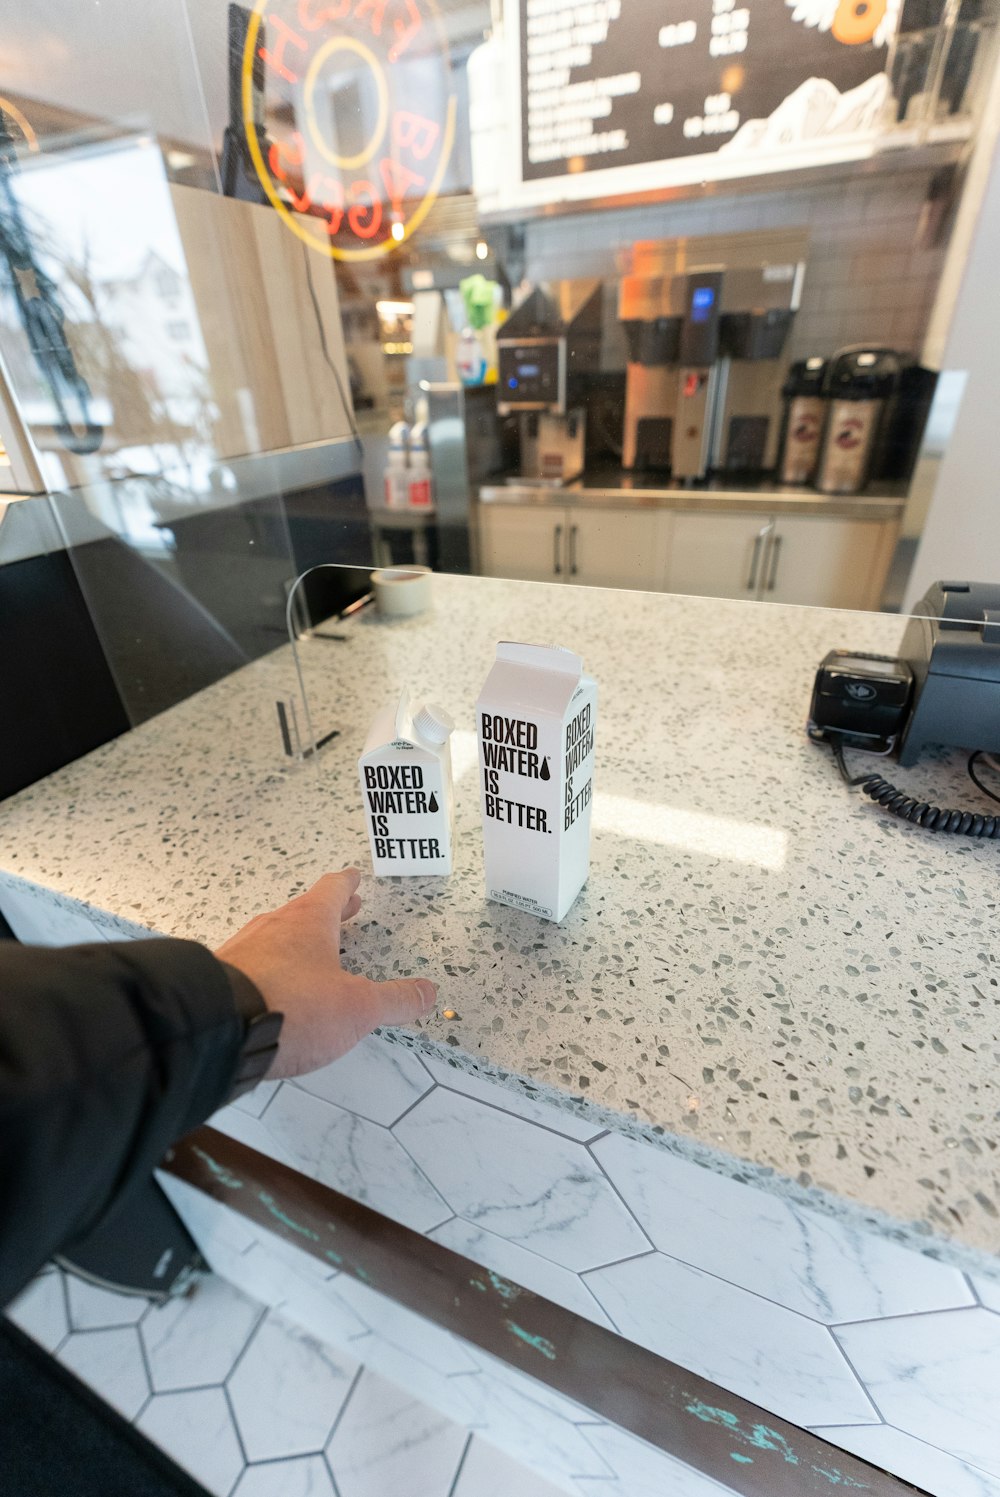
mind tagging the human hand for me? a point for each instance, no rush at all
(292, 956)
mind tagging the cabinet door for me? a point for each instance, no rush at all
(828, 563)
(522, 541)
(613, 547)
(718, 555)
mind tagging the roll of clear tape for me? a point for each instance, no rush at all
(402, 592)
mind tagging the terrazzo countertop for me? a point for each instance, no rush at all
(764, 972)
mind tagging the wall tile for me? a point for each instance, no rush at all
(40, 1311)
(641, 1470)
(195, 1339)
(252, 1131)
(196, 1430)
(775, 1358)
(936, 1377)
(428, 1344)
(913, 1460)
(387, 1441)
(988, 1291)
(521, 1266)
(490, 1472)
(511, 1415)
(377, 1079)
(354, 1156)
(287, 1391)
(527, 1185)
(42, 917)
(807, 1262)
(111, 1363)
(533, 1110)
(314, 1306)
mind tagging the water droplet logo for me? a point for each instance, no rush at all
(432, 804)
(544, 773)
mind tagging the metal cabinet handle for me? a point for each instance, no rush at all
(572, 550)
(755, 558)
(775, 548)
(557, 551)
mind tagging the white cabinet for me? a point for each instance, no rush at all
(839, 563)
(826, 561)
(522, 541)
(817, 560)
(614, 547)
(588, 545)
(717, 555)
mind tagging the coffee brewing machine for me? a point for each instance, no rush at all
(704, 372)
(544, 350)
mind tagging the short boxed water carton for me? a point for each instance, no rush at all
(535, 722)
(406, 786)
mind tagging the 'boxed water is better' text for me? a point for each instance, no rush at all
(406, 786)
(535, 721)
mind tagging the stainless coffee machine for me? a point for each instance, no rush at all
(706, 322)
(546, 345)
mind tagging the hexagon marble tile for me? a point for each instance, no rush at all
(532, 1187)
(753, 1347)
(196, 1339)
(521, 1266)
(360, 1158)
(41, 1312)
(914, 1460)
(936, 1377)
(489, 1472)
(110, 1362)
(287, 1391)
(377, 1080)
(196, 1430)
(305, 1476)
(92, 1307)
(641, 1470)
(389, 1441)
(807, 1262)
(534, 1109)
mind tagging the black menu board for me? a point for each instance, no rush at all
(608, 83)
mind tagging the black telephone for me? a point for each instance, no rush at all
(944, 689)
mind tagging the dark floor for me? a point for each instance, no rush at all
(58, 1440)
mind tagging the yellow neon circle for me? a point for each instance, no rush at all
(23, 124)
(264, 176)
(346, 44)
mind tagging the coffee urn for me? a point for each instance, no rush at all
(802, 421)
(858, 385)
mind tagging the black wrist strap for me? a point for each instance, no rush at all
(262, 1029)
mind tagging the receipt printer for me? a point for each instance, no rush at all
(952, 646)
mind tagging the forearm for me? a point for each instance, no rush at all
(107, 1055)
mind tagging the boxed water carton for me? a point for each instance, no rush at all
(406, 786)
(535, 721)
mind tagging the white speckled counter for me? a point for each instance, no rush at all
(775, 976)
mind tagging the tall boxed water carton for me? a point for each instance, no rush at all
(406, 787)
(535, 721)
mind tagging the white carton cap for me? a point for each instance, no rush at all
(434, 723)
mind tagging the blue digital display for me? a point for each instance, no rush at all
(702, 301)
(528, 371)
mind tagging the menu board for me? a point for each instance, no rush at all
(609, 83)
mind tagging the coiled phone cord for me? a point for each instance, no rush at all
(921, 813)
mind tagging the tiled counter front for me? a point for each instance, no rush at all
(884, 1351)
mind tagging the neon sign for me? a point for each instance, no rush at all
(360, 118)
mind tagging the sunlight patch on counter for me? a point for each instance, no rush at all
(692, 831)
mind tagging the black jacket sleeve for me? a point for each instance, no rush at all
(108, 1054)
